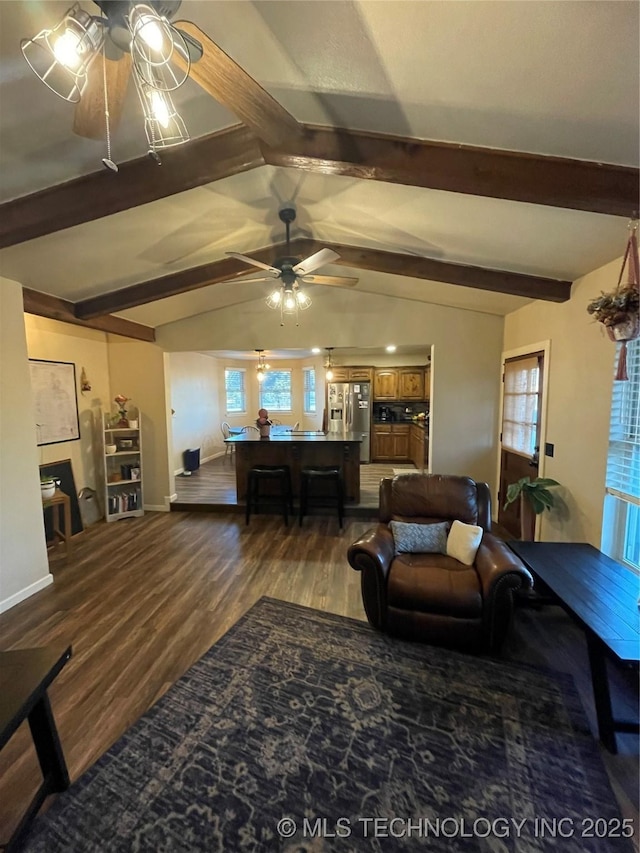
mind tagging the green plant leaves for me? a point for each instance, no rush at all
(536, 492)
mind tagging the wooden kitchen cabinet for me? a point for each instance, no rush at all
(427, 383)
(360, 374)
(382, 443)
(411, 383)
(390, 442)
(416, 446)
(340, 374)
(385, 383)
(400, 433)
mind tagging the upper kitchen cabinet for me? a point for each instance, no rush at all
(427, 382)
(411, 383)
(360, 374)
(385, 383)
(352, 374)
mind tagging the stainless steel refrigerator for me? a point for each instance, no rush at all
(350, 411)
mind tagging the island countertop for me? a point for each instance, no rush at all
(298, 450)
(290, 437)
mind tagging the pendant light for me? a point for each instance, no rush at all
(328, 365)
(262, 366)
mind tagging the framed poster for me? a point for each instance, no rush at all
(55, 403)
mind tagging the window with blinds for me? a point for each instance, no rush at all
(623, 461)
(275, 391)
(309, 390)
(235, 390)
(521, 405)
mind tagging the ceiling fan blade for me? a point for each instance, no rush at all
(313, 262)
(339, 280)
(89, 119)
(253, 280)
(273, 270)
(226, 81)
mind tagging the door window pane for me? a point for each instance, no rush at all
(521, 405)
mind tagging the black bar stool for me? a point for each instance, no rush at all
(280, 477)
(332, 494)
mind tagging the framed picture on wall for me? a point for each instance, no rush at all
(55, 401)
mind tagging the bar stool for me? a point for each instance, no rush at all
(318, 474)
(279, 475)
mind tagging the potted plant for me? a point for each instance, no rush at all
(534, 497)
(47, 487)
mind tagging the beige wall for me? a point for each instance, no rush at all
(466, 358)
(23, 555)
(196, 394)
(54, 341)
(579, 402)
(137, 370)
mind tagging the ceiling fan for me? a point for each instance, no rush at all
(291, 272)
(141, 39)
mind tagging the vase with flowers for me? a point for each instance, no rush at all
(263, 423)
(121, 402)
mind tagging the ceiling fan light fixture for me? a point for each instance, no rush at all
(164, 125)
(153, 42)
(61, 56)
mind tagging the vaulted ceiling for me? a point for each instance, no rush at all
(473, 154)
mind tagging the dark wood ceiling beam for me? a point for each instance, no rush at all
(480, 278)
(139, 181)
(173, 284)
(518, 176)
(228, 269)
(55, 308)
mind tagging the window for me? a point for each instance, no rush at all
(621, 527)
(309, 390)
(235, 389)
(522, 389)
(275, 391)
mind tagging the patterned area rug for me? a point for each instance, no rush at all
(304, 731)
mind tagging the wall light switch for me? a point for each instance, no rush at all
(548, 449)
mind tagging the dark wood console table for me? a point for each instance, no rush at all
(25, 675)
(602, 596)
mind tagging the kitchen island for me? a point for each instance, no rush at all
(298, 450)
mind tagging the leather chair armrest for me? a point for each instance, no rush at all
(494, 560)
(372, 555)
(501, 572)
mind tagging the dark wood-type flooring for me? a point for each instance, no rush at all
(142, 599)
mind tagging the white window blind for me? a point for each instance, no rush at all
(235, 390)
(521, 403)
(309, 388)
(623, 463)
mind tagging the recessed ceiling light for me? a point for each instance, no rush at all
(315, 350)
(391, 348)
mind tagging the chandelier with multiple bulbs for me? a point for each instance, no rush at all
(262, 366)
(62, 55)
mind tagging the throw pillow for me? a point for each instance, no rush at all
(463, 542)
(420, 538)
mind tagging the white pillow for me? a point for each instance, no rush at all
(414, 538)
(463, 542)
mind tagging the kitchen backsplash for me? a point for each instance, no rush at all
(399, 411)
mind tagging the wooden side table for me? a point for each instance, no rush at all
(61, 501)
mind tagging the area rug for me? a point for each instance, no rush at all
(304, 731)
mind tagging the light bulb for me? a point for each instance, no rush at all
(329, 374)
(302, 299)
(289, 302)
(275, 296)
(150, 32)
(260, 375)
(65, 49)
(159, 109)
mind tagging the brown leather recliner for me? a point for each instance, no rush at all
(433, 597)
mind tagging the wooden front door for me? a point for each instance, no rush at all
(520, 430)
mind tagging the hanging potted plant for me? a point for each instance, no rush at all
(619, 310)
(535, 497)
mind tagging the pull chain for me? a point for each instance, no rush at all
(107, 161)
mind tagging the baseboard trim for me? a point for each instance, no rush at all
(27, 592)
